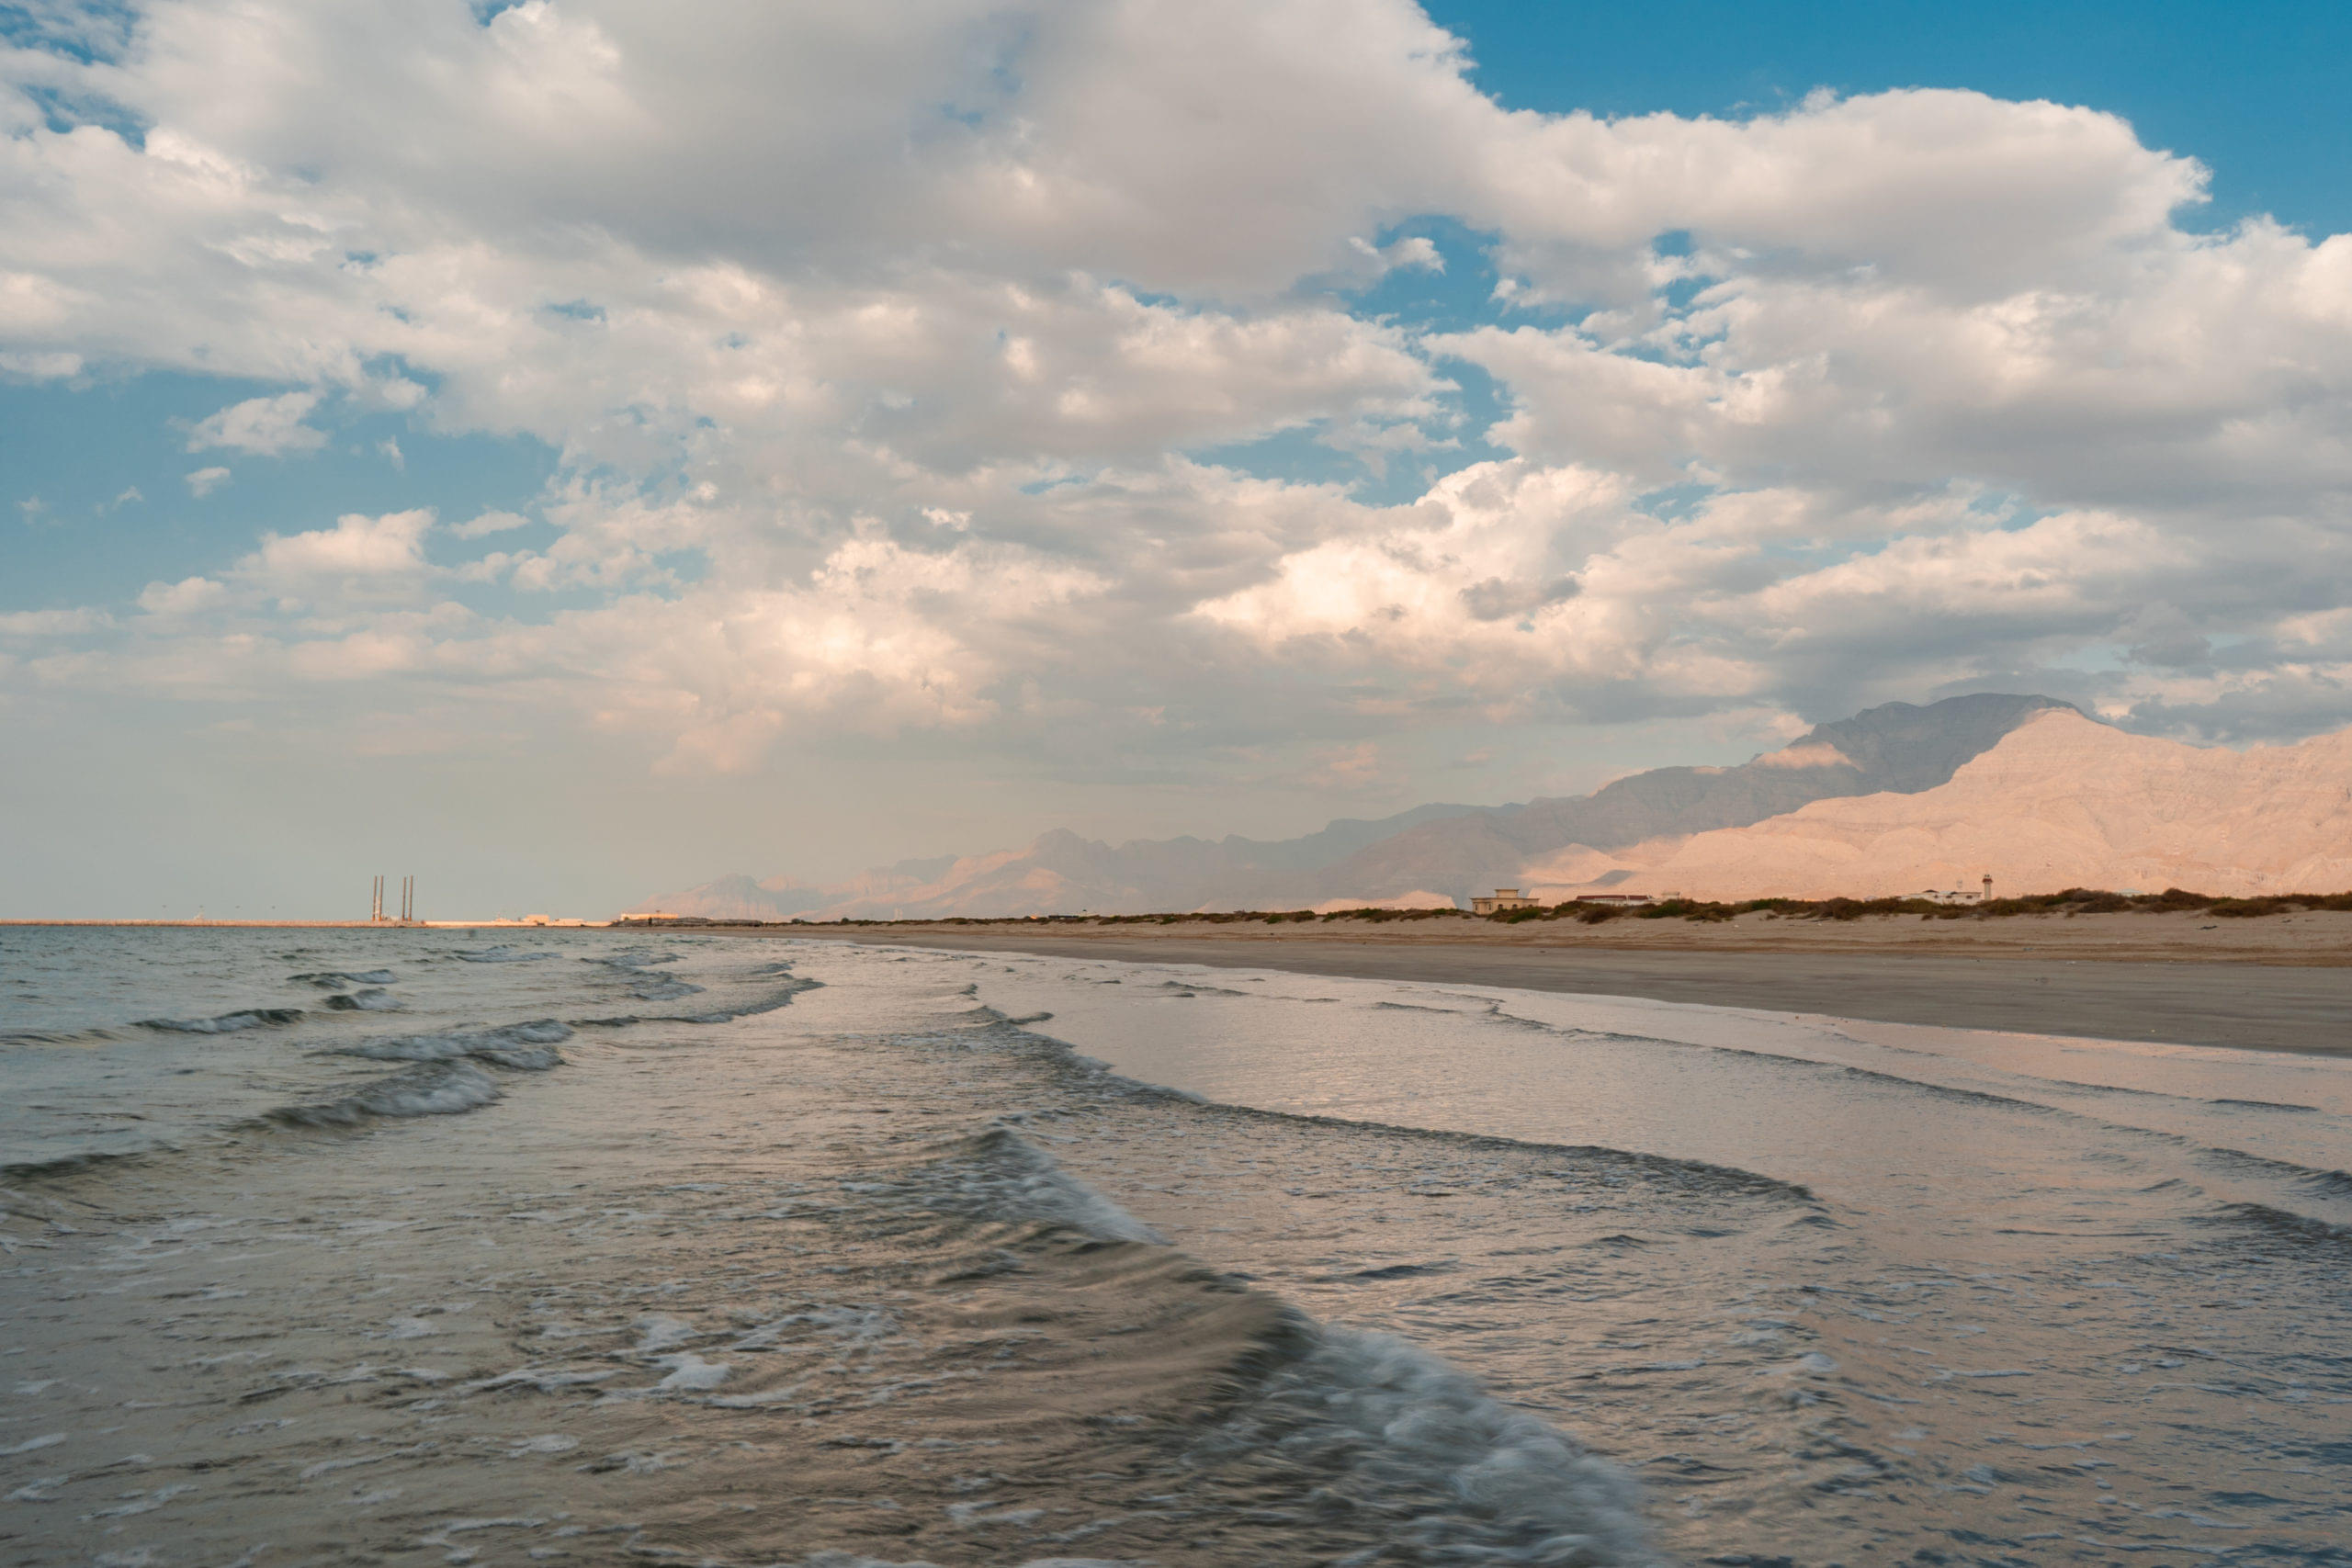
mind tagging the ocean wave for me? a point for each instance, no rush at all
(1374, 1425)
(633, 958)
(830, 1558)
(528, 1046)
(767, 1003)
(752, 1008)
(2283, 1223)
(497, 955)
(72, 1164)
(68, 1037)
(998, 1175)
(435, 1088)
(336, 979)
(2315, 1179)
(1327, 1413)
(375, 998)
(1674, 1169)
(225, 1023)
(662, 988)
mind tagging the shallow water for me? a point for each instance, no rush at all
(821, 1251)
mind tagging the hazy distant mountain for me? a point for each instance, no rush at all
(1058, 872)
(1898, 748)
(2061, 802)
(781, 897)
(1429, 855)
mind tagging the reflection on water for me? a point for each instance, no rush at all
(2051, 1300)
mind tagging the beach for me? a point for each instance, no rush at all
(2279, 983)
(586, 1246)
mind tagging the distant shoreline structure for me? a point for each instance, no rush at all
(1594, 910)
(501, 923)
(1586, 908)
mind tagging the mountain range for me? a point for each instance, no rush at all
(2061, 802)
(1624, 835)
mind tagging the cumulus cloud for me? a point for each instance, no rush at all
(358, 558)
(184, 597)
(269, 427)
(883, 350)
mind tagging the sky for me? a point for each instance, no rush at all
(569, 450)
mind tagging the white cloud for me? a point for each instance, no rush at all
(873, 344)
(269, 427)
(489, 523)
(37, 365)
(360, 556)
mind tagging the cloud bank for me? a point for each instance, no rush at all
(1002, 371)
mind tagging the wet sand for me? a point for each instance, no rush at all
(2281, 982)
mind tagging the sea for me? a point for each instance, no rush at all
(409, 1246)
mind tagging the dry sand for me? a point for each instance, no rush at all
(2280, 983)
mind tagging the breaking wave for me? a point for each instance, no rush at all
(528, 1046)
(437, 1088)
(1352, 1423)
(1374, 1427)
(1000, 1175)
(225, 1023)
(2283, 1225)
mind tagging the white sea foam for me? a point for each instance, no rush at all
(690, 1373)
(656, 1332)
(1466, 1478)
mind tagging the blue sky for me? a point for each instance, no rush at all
(1233, 422)
(2254, 91)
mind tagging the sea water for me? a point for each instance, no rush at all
(419, 1246)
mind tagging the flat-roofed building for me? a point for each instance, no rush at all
(1504, 898)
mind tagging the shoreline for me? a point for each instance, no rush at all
(330, 925)
(2287, 989)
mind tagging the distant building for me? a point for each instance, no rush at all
(1961, 895)
(1626, 900)
(1504, 898)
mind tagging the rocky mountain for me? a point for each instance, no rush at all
(1898, 748)
(1429, 855)
(2059, 802)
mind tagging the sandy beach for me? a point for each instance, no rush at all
(2280, 983)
